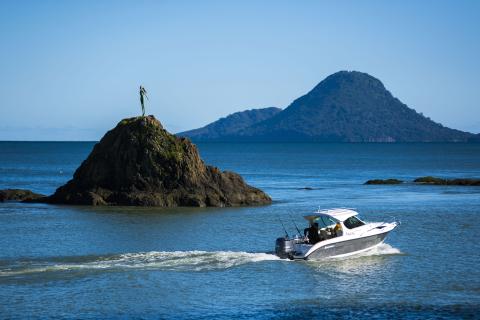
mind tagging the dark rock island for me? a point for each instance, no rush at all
(138, 163)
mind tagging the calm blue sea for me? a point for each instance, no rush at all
(94, 262)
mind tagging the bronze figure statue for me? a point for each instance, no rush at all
(143, 93)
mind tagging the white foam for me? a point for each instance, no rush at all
(163, 260)
(381, 250)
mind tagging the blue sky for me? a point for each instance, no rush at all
(70, 70)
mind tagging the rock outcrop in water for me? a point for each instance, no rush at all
(139, 163)
(384, 181)
(447, 182)
(19, 195)
(429, 180)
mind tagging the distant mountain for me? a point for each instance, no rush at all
(347, 106)
(231, 124)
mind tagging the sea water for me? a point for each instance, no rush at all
(125, 262)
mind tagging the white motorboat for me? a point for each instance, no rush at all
(333, 233)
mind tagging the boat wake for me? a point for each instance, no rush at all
(162, 260)
(183, 261)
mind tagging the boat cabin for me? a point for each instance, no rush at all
(331, 223)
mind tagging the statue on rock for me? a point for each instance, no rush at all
(143, 93)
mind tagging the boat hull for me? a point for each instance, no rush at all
(347, 247)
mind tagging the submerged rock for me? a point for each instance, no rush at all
(139, 163)
(384, 181)
(19, 195)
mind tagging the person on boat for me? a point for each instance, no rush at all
(338, 230)
(312, 233)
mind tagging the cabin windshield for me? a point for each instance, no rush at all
(353, 222)
(324, 222)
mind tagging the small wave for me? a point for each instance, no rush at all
(163, 260)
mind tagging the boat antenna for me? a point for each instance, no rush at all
(296, 227)
(284, 229)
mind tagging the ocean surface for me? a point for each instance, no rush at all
(150, 263)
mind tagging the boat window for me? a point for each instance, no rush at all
(324, 221)
(353, 222)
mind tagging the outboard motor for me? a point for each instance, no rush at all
(284, 247)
